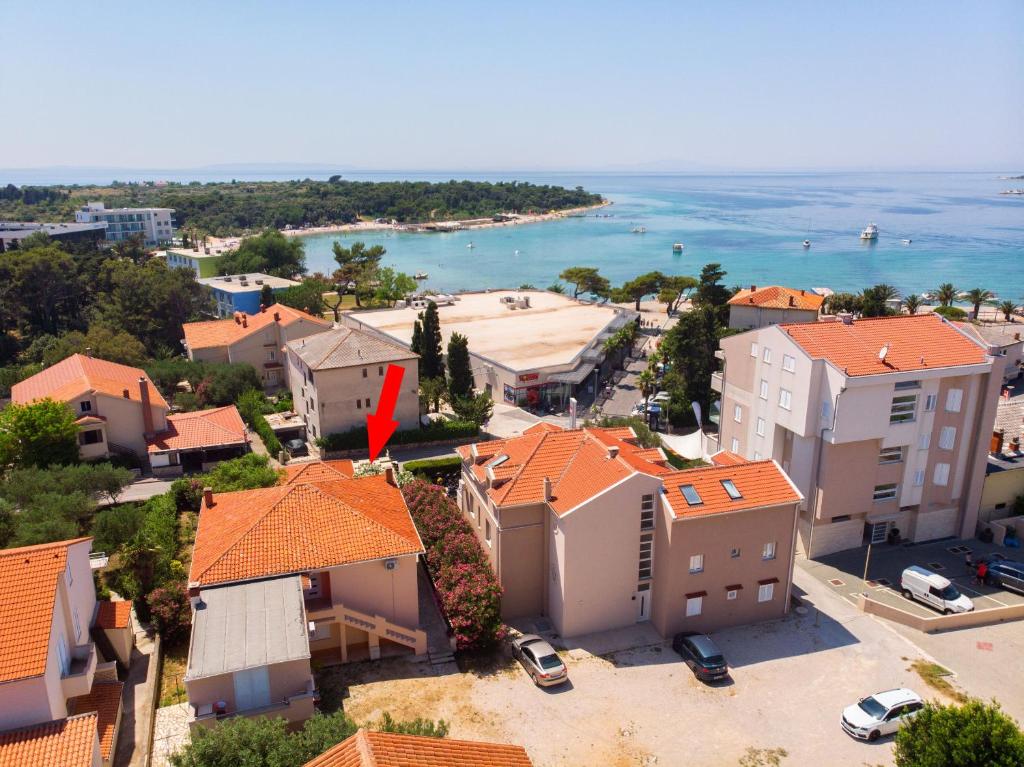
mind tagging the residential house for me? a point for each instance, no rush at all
(203, 262)
(243, 292)
(153, 225)
(594, 532)
(331, 565)
(772, 305)
(1004, 470)
(336, 380)
(881, 423)
(197, 441)
(257, 339)
(1006, 338)
(53, 673)
(376, 749)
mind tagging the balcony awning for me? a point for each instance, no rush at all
(577, 376)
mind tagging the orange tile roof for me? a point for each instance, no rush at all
(317, 471)
(113, 615)
(67, 742)
(77, 375)
(727, 458)
(778, 297)
(760, 483)
(215, 333)
(29, 576)
(300, 527)
(202, 428)
(379, 749)
(577, 462)
(915, 342)
(543, 426)
(104, 699)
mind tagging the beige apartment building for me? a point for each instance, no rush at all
(255, 339)
(881, 423)
(772, 305)
(336, 379)
(592, 531)
(329, 566)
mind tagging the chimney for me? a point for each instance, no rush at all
(803, 292)
(208, 497)
(846, 317)
(125, 394)
(547, 488)
(277, 316)
(792, 301)
(753, 288)
(147, 411)
(1016, 336)
(389, 476)
(194, 598)
(238, 320)
(996, 446)
(613, 451)
(88, 351)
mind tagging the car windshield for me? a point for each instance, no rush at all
(713, 660)
(872, 708)
(549, 661)
(950, 594)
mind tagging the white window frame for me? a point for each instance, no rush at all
(753, 350)
(886, 492)
(647, 512)
(924, 441)
(947, 437)
(929, 402)
(954, 400)
(735, 445)
(941, 475)
(696, 564)
(763, 392)
(735, 552)
(789, 363)
(890, 455)
(785, 399)
(487, 531)
(766, 356)
(919, 478)
(646, 561)
(760, 427)
(757, 456)
(765, 592)
(731, 594)
(694, 605)
(768, 551)
(737, 414)
(903, 409)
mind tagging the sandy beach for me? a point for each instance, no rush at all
(514, 219)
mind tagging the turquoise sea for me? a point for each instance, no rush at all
(962, 230)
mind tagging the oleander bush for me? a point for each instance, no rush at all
(469, 590)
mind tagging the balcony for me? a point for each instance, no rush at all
(716, 381)
(78, 680)
(294, 709)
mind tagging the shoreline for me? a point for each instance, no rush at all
(460, 225)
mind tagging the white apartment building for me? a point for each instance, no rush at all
(881, 423)
(156, 225)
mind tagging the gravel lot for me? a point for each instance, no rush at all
(790, 682)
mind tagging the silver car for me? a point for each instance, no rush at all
(540, 660)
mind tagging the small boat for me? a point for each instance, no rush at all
(807, 243)
(516, 253)
(870, 232)
(421, 275)
(677, 247)
(471, 245)
(906, 241)
(639, 229)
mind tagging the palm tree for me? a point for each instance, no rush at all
(947, 293)
(1007, 308)
(646, 382)
(912, 303)
(977, 297)
(886, 292)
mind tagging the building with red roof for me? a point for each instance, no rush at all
(772, 305)
(196, 440)
(882, 423)
(384, 749)
(592, 531)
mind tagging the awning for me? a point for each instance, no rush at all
(766, 581)
(734, 587)
(695, 594)
(577, 376)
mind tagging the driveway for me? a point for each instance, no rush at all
(140, 490)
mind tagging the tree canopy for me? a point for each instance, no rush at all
(38, 434)
(431, 361)
(586, 279)
(460, 374)
(975, 734)
(269, 253)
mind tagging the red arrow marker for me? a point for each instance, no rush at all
(380, 425)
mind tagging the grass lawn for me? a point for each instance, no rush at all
(676, 461)
(172, 688)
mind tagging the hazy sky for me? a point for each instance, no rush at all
(522, 85)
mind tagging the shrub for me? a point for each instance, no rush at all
(951, 312)
(114, 527)
(38, 434)
(170, 610)
(976, 734)
(249, 472)
(187, 494)
(252, 405)
(357, 439)
(436, 469)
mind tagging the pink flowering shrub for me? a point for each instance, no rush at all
(469, 590)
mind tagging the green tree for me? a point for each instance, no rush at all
(100, 341)
(223, 384)
(585, 279)
(874, 301)
(460, 373)
(249, 472)
(978, 296)
(39, 291)
(114, 527)
(689, 346)
(476, 409)
(674, 289)
(7, 523)
(427, 728)
(22, 485)
(239, 742)
(912, 303)
(51, 517)
(431, 360)
(432, 392)
(711, 293)
(976, 734)
(954, 313)
(269, 253)
(392, 286)
(635, 289)
(267, 296)
(556, 287)
(308, 296)
(946, 294)
(844, 302)
(39, 434)
(357, 268)
(416, 344)
(1007, 308)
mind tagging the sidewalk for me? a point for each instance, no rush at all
(140, 689)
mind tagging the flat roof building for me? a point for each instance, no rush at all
(241, 292)
(155, 225)
(13, 232)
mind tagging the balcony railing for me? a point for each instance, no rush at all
(78, 680)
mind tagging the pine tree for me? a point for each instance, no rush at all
(460, 375)
(416, 345)
(431, 361)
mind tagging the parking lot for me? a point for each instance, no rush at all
(843, 572)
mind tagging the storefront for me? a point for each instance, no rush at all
(550, 395)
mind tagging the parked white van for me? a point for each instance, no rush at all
(934, 590)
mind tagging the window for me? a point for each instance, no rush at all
(841, 518)
(735, 445)
(697, 563)
(753, 350)
(693, 606)
(947, 437)
(890, 455)
(929, 403)
(768, 552)
(764, 389)
(271, 355)
(924, 441)
(364, 373)
(367, 403)
(884, 492)
(757, 456)
(904, 408)
(86, 406)
(731, 594)
(691, 495)
(380, 370)
(954, 399)
(908, 385)
(785, 399)
(767, 356)
(760, 427)
(765, 592)
(737, 414)
(647, 512)
(734, 553)
(730, 488)
(941, 476)
(788, 363)
(91, 437)
(359, 404)
(487, 531)
(919, 478)
(646, 555)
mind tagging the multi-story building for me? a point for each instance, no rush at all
(882, 423)
(593, 532)
(203, 262)
(60, 700)
(258, 339)
(336, 380)
(154, 225)
(235, 293)
(13, 232)
(772, 305)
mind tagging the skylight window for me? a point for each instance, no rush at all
(691, 495)
(497, 462)
(730, 488)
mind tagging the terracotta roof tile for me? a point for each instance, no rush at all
(778, 297)
(316, 471)
(542, 426)
(379, 749)
(105, 700)
(760, 484)
(346, 347)
(216, 333)
(67, 742)
(77, 375)
(29, 576)
(915, 342)
(113, 615)
(727, 458)
(299, 527)
(202, 428)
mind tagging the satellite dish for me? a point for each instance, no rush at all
(882, 352)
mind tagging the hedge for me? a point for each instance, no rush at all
(250, 407)
(469, 590)
(434, 468)
(437, 431)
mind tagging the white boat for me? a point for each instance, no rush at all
(807, 243)
(471, 245)
(906, 241)
(421, 275)
(677, 247)
(870, 232)
(639, 229)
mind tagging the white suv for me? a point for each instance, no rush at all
(881, 714)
